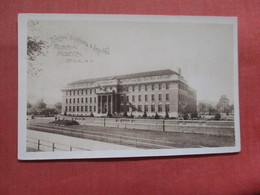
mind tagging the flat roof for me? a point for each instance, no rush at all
(127, 76)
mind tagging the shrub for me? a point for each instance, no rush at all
(166, 115)
(144, 115)
(194, 115)
(185, 116)
(125, 114)
(217, 117)
(109, 115)
(64, 122)
(156, 116)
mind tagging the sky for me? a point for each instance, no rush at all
(203, 51)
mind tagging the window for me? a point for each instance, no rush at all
(152, 97)
(86, 100)
(133, 98)
(152, 86)
(82, 100)
(167, 108)
(133, 88)
(73, 108)
(94, 108)
(77, 108)
(139, 87)
(139, 98)
(126, 88)
(145, 87)
(70, 101)
(74, 100)
(90, 108)
(90, 91)
(152, 108)
(167, 86)
(140, 108)
(73, 92)
(159, 86)
(95, 100)
(159, 108)
(86, 91)
(69, 108)
(82, 109)
(78, 92)
(77, 100)
(146, 108)
(90, 99)
(122, 98)
(167, 96)
(146, 97)
(70, 92)
(160, 97)
(86, 109)
(66, 101)
(127, 98)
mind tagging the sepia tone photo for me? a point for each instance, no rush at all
(99, 86)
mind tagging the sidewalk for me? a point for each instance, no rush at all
(68, 142)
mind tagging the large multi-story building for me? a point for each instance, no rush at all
(162, 92)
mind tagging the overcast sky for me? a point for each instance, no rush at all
(204, 52)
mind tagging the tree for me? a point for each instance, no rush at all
(35, 48)
(205, 107)
(41, 105)
(223, 104)
(58, 106)
(231, 108)
(29, 105)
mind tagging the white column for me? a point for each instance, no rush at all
(101, 105)
(112, 110)
(107, 103)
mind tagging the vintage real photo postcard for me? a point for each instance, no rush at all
(101, 86)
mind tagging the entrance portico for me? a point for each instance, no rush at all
(106, 103)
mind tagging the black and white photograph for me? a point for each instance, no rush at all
(106, 86)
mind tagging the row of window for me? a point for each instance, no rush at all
(152, 97)
(81, 100)
(145, 87)
(81, 92)
(80, 108)
(123, 88)
(140, 108)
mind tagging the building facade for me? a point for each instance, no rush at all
(164, 92)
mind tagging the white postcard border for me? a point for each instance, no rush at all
(22, 88)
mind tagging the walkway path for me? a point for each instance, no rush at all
(66, 142)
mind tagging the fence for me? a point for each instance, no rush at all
(44, 145)
(225, 128)
(107, 137)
